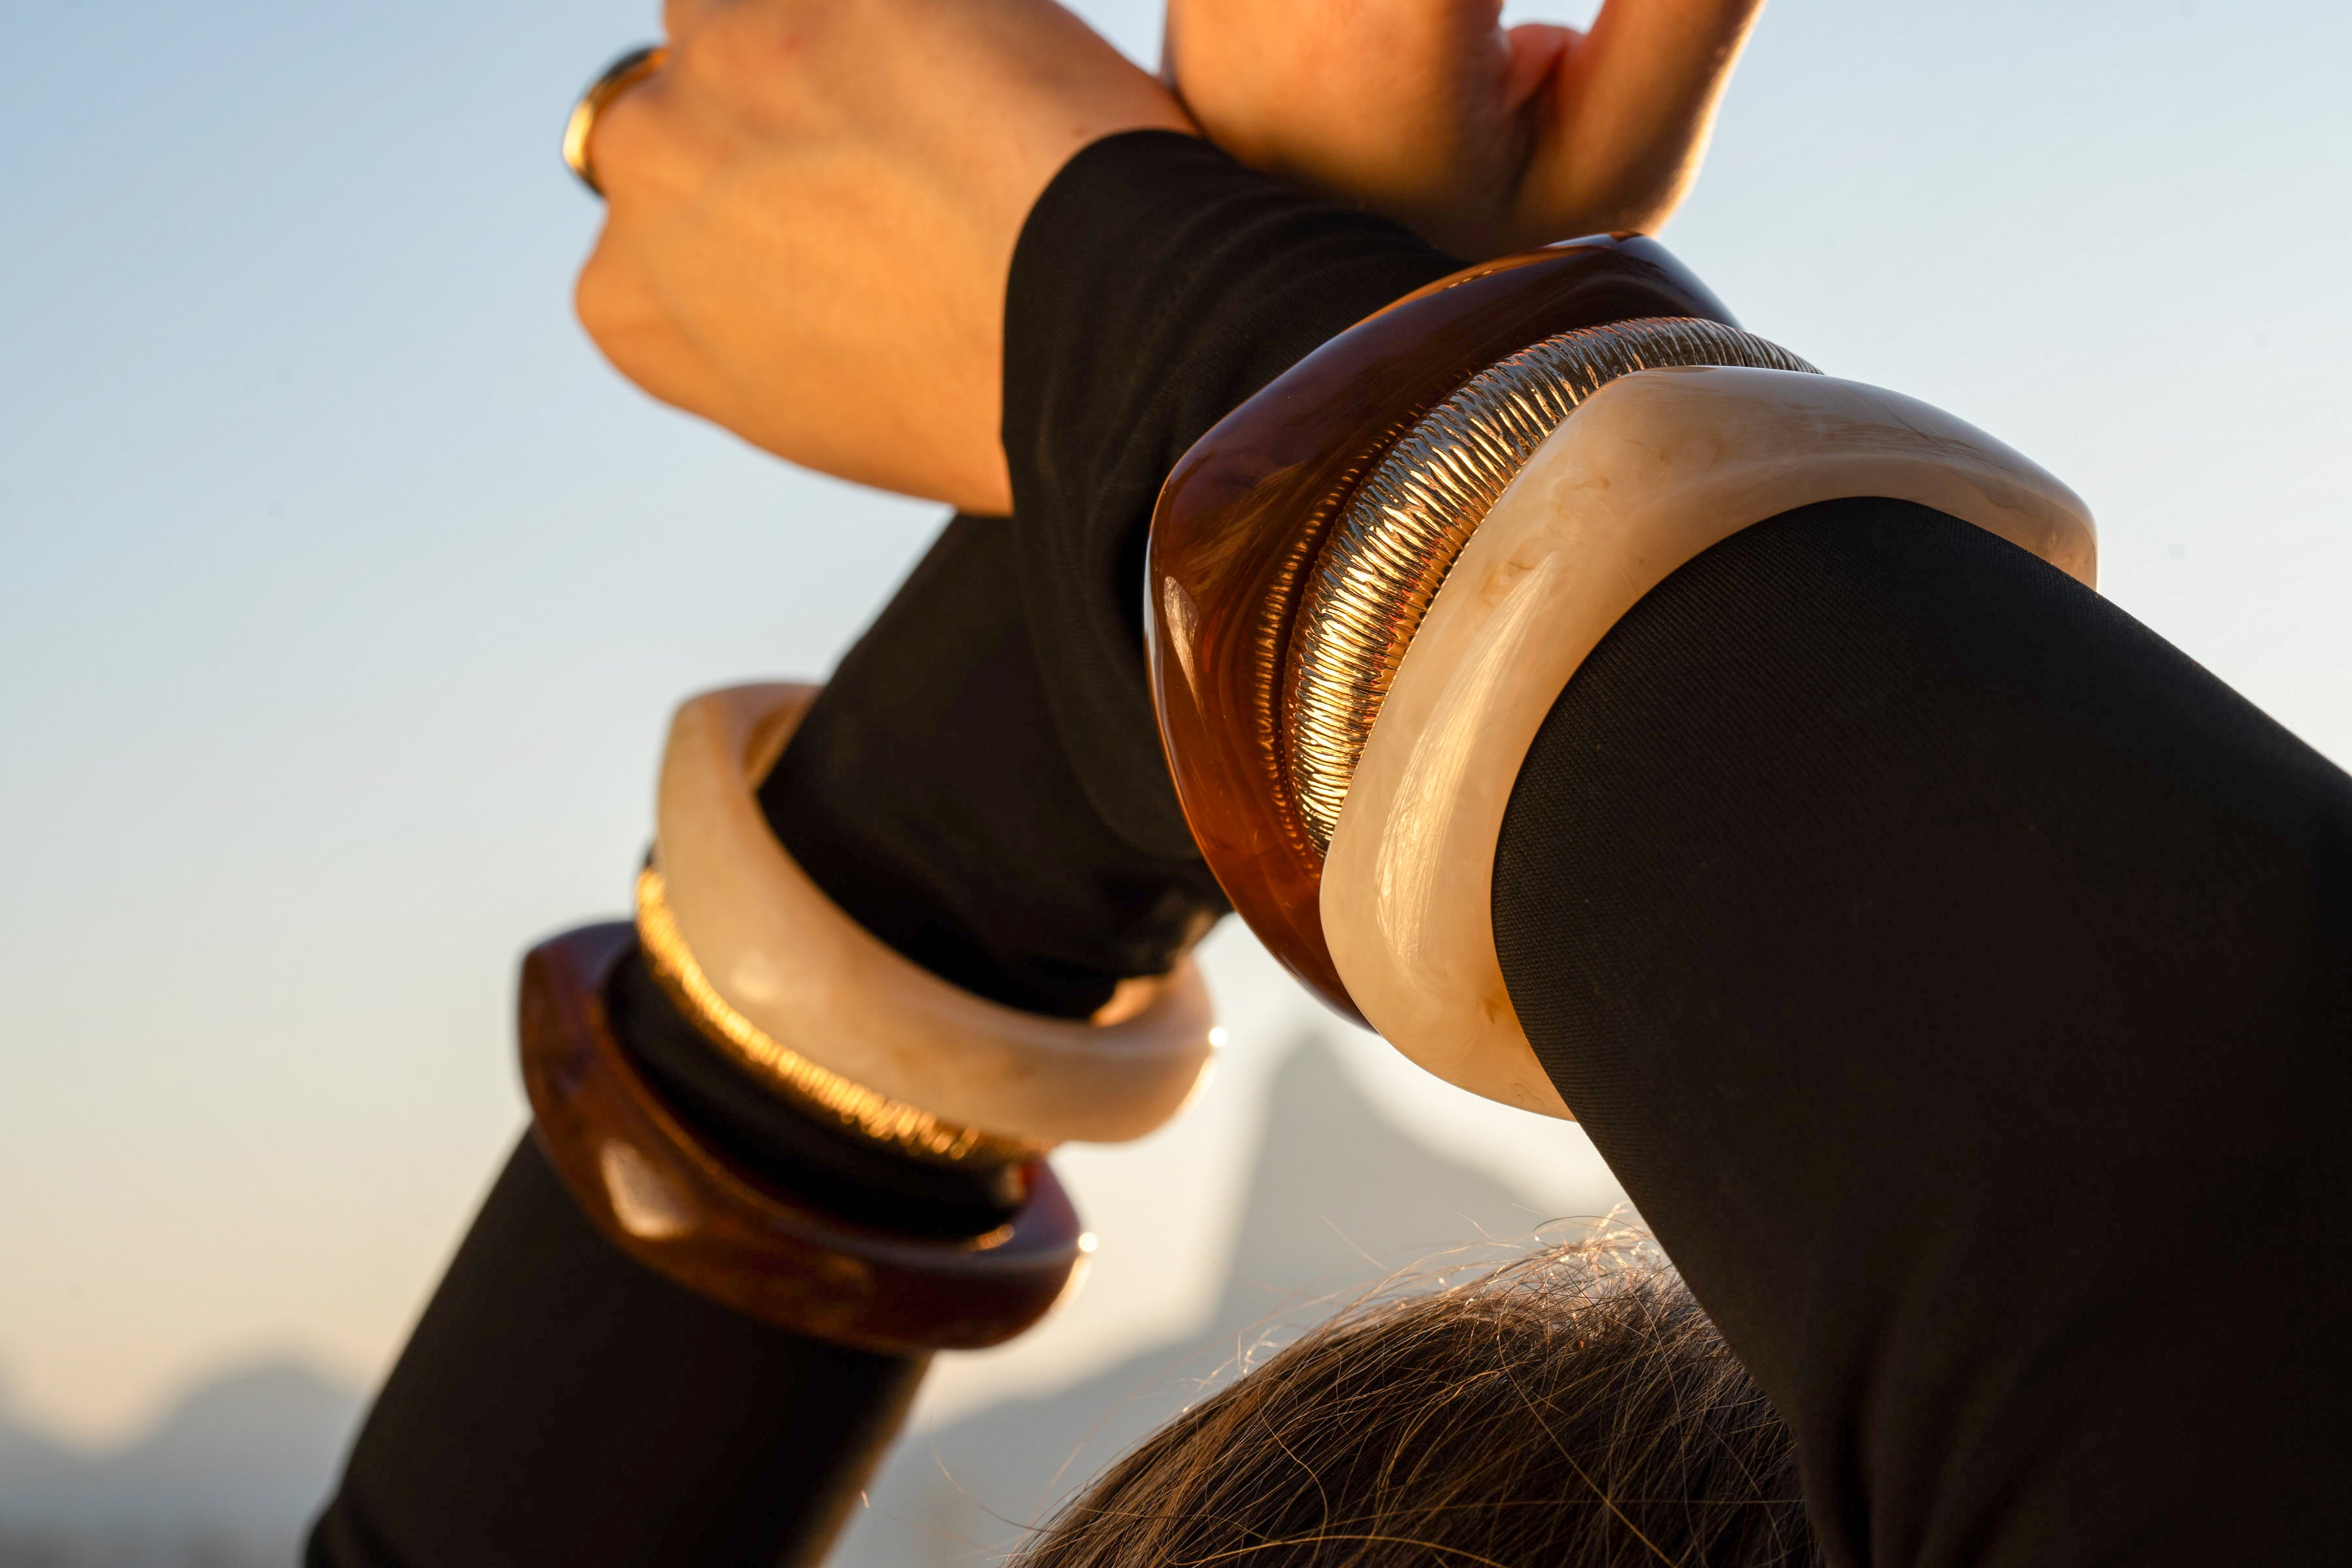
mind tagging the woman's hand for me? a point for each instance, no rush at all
(1485, 139)
(812, 210)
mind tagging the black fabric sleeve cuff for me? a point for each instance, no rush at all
(1156, 284)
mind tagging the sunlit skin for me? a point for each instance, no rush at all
(813, 205)
(813, 208)
(1486, 140)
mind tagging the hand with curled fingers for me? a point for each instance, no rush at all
(812, 211)
(1486, 140)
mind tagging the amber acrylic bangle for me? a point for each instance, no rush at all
(1241, 518)
(658, 1193)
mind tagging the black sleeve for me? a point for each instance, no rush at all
(1958, 977)
(559, 1403)
(931, 791)
(1156, 285)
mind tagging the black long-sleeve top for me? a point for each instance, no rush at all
(1958, 977)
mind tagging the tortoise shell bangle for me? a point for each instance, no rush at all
(656, 1191)
(1240, 529)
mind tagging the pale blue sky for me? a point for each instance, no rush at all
(344, 591)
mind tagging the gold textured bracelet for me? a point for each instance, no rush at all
(905, 1127)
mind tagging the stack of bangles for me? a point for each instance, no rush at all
(827, 1017)
(1367, 586)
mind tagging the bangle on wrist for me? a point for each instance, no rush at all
(1237, 536)
(903, 1127)
(1370, 583)
(1653, 470)
(663, 1195)
(811, 1003)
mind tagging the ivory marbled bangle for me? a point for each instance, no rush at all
(908, 1129)
(801, 972)
(1240, 524)
(1650, 472)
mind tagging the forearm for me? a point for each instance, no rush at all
(1954, 974)
(1921, 938)
(561, 1402)
(981, 785)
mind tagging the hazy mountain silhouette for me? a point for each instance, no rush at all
(228, 1478)
(1337, 1200)
(1340, 1200)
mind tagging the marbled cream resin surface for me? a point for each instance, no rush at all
(1650, 472)
(788, 958)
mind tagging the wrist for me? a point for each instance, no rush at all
(930, 794)
(1158, 283)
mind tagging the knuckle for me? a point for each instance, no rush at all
(618, 147)
(745, 52)
(601, 298)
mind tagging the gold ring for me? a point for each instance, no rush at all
(618, 78)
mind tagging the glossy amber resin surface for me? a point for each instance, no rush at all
(1242, 516)
(657, 1193)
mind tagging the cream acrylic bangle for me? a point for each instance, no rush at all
(1650, 472)
(801, 972)
(908, 1129)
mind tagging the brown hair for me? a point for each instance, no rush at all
(1573, 1408)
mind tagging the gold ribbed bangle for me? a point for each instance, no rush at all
(1395, 538)
(904, 1127)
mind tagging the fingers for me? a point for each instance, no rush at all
(1397, 104)
(639, 157)
(1537, 51)
(1622, 121)
(625, 322)
(682, 18)
(617, 135)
